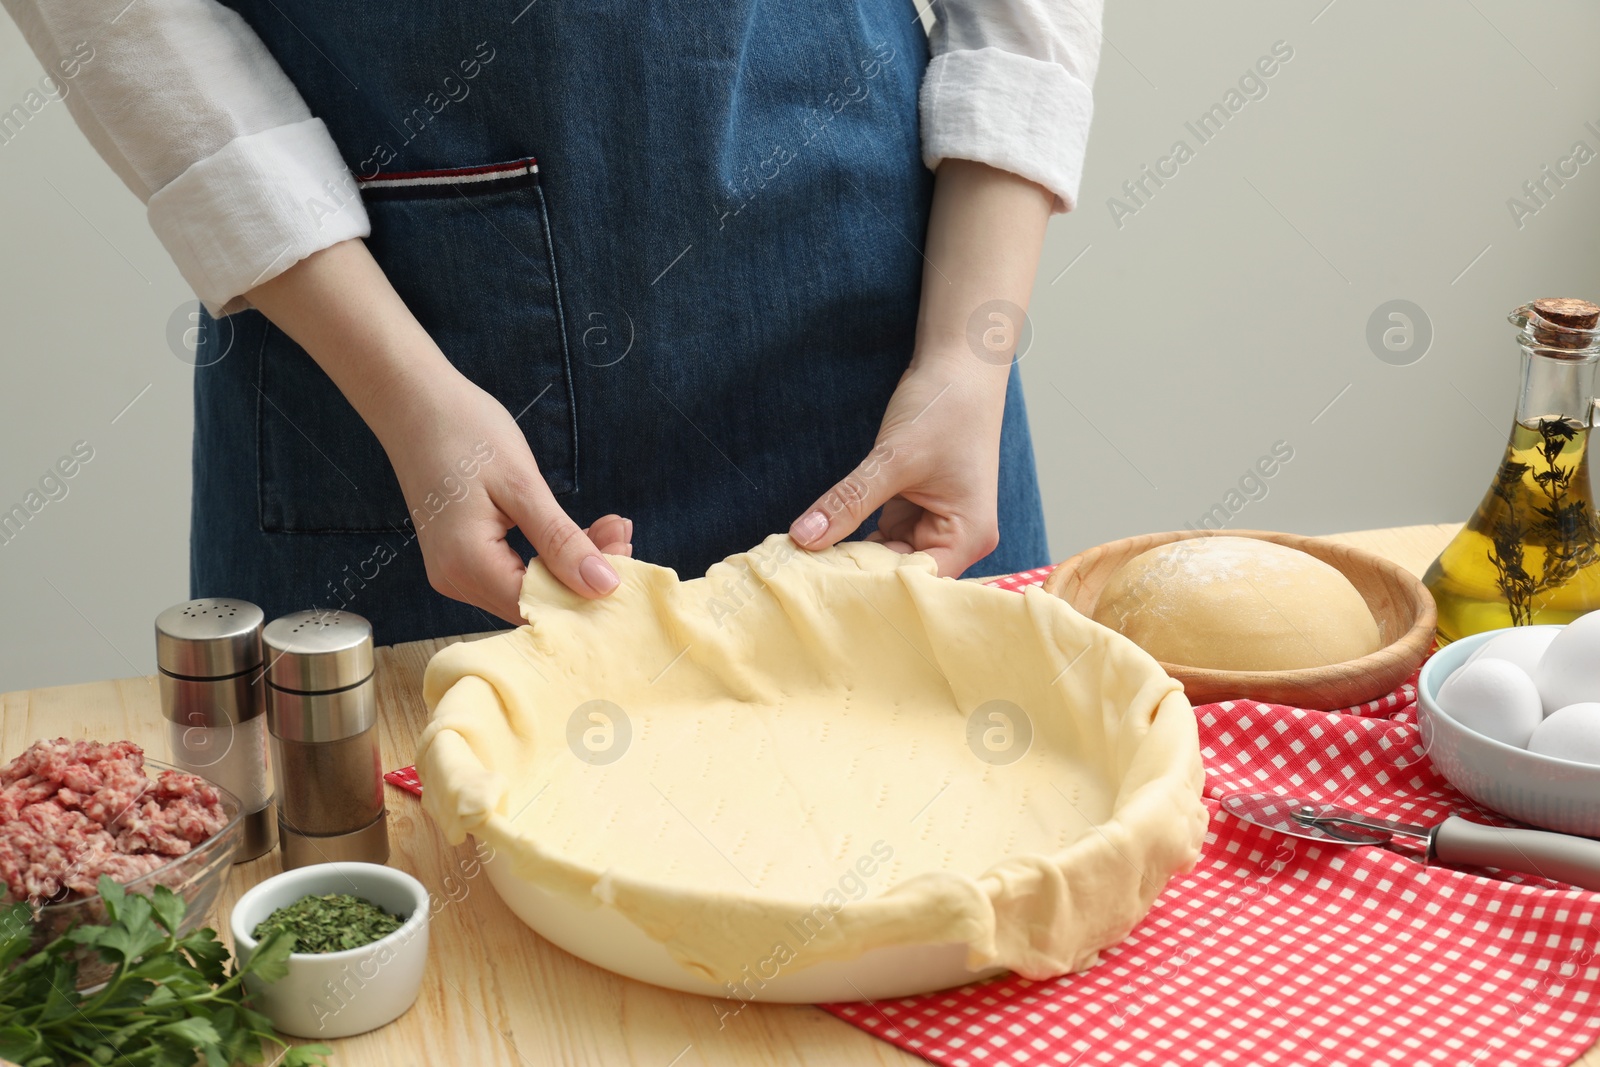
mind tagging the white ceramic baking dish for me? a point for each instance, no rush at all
(815, 778)
(606, 938)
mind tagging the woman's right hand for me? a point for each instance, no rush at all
(433, 439)
(338, 306)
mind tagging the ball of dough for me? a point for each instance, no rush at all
(1237, 604)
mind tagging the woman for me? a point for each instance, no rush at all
(629, 278)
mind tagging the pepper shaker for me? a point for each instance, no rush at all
(322, 712)
(209, 657)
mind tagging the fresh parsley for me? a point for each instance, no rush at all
(171, 1002)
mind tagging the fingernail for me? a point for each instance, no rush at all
(808, 527)
(599, 576)
(627, 531)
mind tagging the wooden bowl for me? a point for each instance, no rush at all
(1402, 607)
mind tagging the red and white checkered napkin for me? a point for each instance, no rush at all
(406, 778)
(1276, 950)
(1022, 579)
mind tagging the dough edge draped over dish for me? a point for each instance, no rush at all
(1038, 915)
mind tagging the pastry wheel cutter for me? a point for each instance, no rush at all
(1457, 841)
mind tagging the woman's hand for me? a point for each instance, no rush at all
(432, 440)
(935, 468)
(435, 424)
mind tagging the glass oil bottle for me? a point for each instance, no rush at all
(1530, 554)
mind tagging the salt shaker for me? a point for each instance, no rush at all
(209, 656)
(322, 712)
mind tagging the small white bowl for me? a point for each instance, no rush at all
(1544, 791)
(337, 994)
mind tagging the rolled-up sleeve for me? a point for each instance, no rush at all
(189, 108)
(1010, 85)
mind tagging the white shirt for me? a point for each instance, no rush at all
(197, 118)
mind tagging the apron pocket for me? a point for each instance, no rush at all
(469, 251)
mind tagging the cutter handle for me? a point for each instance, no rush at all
(1574, 860)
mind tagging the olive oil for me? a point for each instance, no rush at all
(1530, 554)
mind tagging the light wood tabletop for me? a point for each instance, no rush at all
(495, 994)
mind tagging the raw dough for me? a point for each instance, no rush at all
(796, 738)
(1237, 604)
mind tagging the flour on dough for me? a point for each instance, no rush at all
(1238, 604)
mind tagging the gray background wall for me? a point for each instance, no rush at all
(1170, 352)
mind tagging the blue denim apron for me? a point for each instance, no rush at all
(697, 300)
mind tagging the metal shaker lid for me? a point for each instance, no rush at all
(318, 651)
(212, 638)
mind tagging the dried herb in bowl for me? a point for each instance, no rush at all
(331, 922)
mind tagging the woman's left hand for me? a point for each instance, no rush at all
(934, 469)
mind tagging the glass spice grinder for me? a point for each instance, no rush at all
(208, 655)
(1530, 554)
(322, 711)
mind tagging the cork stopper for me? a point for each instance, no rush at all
(1568, 311)
(1560, 322)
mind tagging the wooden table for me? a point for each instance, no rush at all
(495, 994)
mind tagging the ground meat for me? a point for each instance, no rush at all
(101, 856)
(178, 813)
(71, 811)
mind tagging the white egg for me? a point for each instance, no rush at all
(1494, 698)
(1569, 670)
(1522, 646)
(1572, 733)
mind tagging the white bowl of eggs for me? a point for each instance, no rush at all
(1511, 718)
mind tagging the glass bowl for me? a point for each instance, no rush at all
(197, 876)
